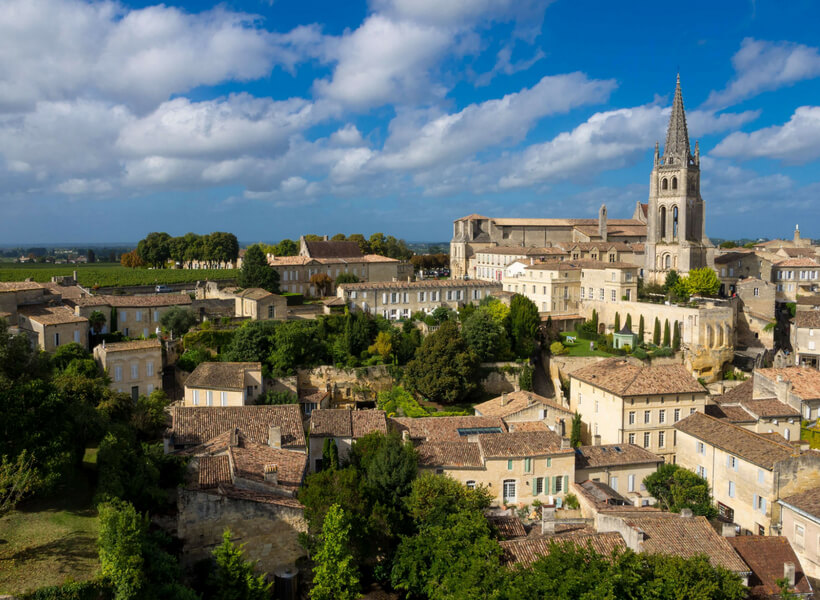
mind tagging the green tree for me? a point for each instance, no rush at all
(286, 247)
(120, 540)
(524, 323)
(442, 314)
(330, 454)
(66, 353)
(233, 577)
(256, 272)
(383, 346)
(485, 336)
(494, 307)
(594, 319)
(666, 335)
(525, 378)
(629, 322)
(296, 344)
(676, 336)
(702, 282)
(557, 348)
(178, 320)
(641, 329)
(364, 245)
(656, 334)
(274, 397)
(335, 575)
(97, 321)
(17, 479)
(433, 498)
(322, 283)
(346, 278)
(671, 281)
(677, 488)
(617, 321)
(575, 434)
(444, 369)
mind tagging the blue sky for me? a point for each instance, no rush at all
(271, 119)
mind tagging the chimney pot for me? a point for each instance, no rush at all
(234, 437)
(596, 440)
(275, 436)
(504, 399)
(789, 573)
(272, 473)
(564, 443)
(729, 530)
(686, 513)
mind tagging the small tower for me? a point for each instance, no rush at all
(797, 234)
(602, 222)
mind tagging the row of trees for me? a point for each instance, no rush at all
(699, 282)
(157, 248)
(377, 243)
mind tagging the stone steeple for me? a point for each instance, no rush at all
(677, 136)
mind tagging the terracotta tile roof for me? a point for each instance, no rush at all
(283, 261)
(230, 491)
(810, 319)
(729, 257)
(770, 408)
(135, 301)
(638, 248)
(19, 286)
(508, 527)
(805, 381)
(221, 375)
(249, 460)
(341, 422)
(623, 378)
(333, 249)
(67, 292)
(581, 263)
(766, 556)
(738, 393)
(601, 494)
(528, 426)
(316, 396)
(449, 454)
(213, 471)
(672, 534)
(619, 246)
(521, 251)
(795, 252)
(444, 428)
(255, 294)
(521, 444)
(808, 300)
(193, 425)
(515, 402)
(419, 285)
(378, 258)
(529, 550)
(734, 439)
(473, 217)
(808, 502)
(733, 413)
(797, 262)
(50, 315)
(132, 345)
(613, 454)
(639, 229)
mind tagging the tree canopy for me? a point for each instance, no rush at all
(256, 272)
(677, 488)
(524, 324)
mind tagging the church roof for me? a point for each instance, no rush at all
(677, 136)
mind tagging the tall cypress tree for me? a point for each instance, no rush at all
(656, 335)
(629, 322)
(640, 330)
(617, 322)
(676, 337)
(666, 338)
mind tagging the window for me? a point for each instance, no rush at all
(596, 406)
(138, 315)
(799, 535)
(582, 293)
(591, 293)
(700, 448)
(150, 389)
(601, 294)
(731, 463)
(701, 471)
(122, 316)
(757, 291)
(647, 416)
(631, 438)
(156, 315)
(760, 477)
(647, 439)
(558, 486)
(631, 417)
(509, 464)
(77, 336)
(223, 398)
(661, 439)
(135, 371)
(56, 339)
(470, 484)
(612, 295)
(538, 486)
(677, 415)
(630, 483)
(692, 411)
(210, 396)
(196, 397)
(759, 503)
(509, 489)
(549, 462)
(528, 465)
(613, 483)
(731, 489)
(149, 369)
(117, 373)
(662, 416)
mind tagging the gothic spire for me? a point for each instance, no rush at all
(677, 136)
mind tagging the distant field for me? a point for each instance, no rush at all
(110, 274)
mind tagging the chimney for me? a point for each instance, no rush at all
(728, 530)
(796, 234)
(596, 440)
(324, 238)
(547, 520)
(272, 473)
(275, 436)
(788, 573)
(103, 344)
(530, 400)
(234, 438)
(504, 399)
(564, 443)
(75, 272)
(686, 513)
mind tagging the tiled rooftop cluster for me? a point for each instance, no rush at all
(625, 378)
(221, 375)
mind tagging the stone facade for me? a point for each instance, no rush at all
(805, 338)
(800, 524)
(755, 311)
(133, 367)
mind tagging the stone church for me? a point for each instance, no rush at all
(668, 230)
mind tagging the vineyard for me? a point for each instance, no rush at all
(110, 274)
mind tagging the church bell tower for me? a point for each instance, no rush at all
(676, 236)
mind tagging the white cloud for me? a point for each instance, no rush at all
(349, 135)
(796, 142)
(84, 187)
(762, 66)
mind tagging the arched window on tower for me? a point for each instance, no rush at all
(668, 261)
(662, 224)
(674, 183)
(664, 184)
(675, 222)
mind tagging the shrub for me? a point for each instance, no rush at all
(640, 353)
(557, 349)
(73, 590)
(293, 299)
(571, 501)
(191, 359)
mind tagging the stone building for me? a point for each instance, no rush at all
(738, 264)
(622, 467)
(796, 277)
(526, 407)
(755, 312)
(747, 472)
(798, 387)
(400, 299)
(134, 316)
(771, 559)
(134, 367)
(625, 402)
(800, 524)
(50, 327)
(343, 427)
(763, 413)
(805, 338)
(491, 263)
(224, 384)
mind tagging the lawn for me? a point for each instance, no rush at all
(581, 347)
(110, 274)
(45, 542)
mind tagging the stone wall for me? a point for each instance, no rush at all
(500, 377)
(269, 531)
(347, 385)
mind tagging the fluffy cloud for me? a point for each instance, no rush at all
(761, 66)
(796, 142)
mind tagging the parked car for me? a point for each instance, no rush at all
(162, 289)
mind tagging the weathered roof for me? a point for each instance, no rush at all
(513, 402)
(221, 375)
(508, 527)
(522, 250)
(213, 471)
(805, 381)
(738, 393)
(809, 319)
(341, 422)
(453, 454)
(50, 315)
(135, 301)
(623, 378)
(808, 502)
(613, 454)
(797, 262)
(472, 217)
(734, 413)
(529, 550)
(255, 294)
(770, 408)
(424, 284)
(521, 444)
(445, 428)
(581, 263)
(333, 249)
(766, 556)
(194, 425)
(734, 439)
(808, 300)
(132, 345)
(672, 534)
(527, 426)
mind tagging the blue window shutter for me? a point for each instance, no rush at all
(755, 502)
(763, 505)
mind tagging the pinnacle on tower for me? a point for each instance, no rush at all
(677, 136)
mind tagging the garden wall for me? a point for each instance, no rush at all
(347, 385)
(500, 377)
